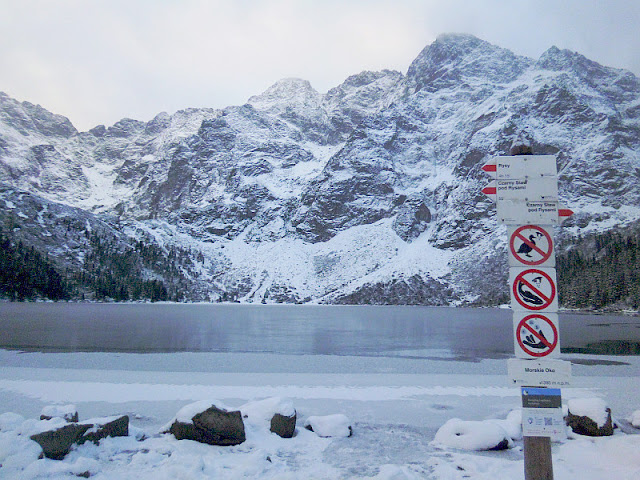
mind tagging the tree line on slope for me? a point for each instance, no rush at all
(110, 271)
(26, 274)
(601, 271)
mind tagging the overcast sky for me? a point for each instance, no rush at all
(97, 61)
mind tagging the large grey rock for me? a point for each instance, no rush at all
(56, 444)
(118, 427)
(283, 426)
(213, 426)
(584, 425)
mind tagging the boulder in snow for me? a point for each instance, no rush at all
(337, 425)
(473, 435)
(274, 413)
(210, 423)
(283, 426)
(57, 443)
(590, 416)
(67, 412)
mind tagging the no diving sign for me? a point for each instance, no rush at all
(536, 335)
(530, 245)
(533, 289)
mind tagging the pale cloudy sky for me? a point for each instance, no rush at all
(97, 61)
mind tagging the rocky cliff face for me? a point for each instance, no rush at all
(368, 193)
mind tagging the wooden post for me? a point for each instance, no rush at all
(538, 464)
(537, 458)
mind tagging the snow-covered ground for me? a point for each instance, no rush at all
(395, 405)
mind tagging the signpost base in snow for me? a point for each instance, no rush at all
(537, 458)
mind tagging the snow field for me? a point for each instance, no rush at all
(395, 417)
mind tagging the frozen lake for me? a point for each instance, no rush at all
(422, 332)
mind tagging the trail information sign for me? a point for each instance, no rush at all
(541, 373)
(521, 166)
(525, 189)
(516, 212)
(542, 413)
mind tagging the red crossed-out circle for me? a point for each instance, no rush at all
(547, 300)
(544, 255)
(551, 345)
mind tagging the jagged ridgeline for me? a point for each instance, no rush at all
(370, 192)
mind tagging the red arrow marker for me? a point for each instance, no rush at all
(564, 212)
(490, 166)
(491, 191)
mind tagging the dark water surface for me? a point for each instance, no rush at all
(294, 329)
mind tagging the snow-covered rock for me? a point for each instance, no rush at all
(275, 414)
(337, 425)
(473, 435)
(57, 443)
(590, 416)
(68, 412)
(208, 422)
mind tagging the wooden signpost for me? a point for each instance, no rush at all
(525, 189)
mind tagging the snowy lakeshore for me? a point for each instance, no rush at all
(395, 406)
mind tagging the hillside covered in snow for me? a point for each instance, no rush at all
(369, 193)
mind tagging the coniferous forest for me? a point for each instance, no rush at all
(601, 271)
(597, 272)
(26, 274)
(109, 273)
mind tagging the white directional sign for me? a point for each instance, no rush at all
(513, 212)
(536, 335)
(521, 166)
(531, 245)
(524, 189)
(533, 289)
(543, 373)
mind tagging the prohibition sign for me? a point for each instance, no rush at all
(530, 335)
(535, 245)
(534, 289)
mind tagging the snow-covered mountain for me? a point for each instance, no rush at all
(368, 193)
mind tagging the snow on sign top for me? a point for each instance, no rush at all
(521, 166)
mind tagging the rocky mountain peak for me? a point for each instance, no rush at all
(615, 83)
(286, 93)
(456, 58)
(362, 95)
(28, 118)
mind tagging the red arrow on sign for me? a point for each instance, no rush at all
(491, 190)
(490, 166)
(564, 212)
